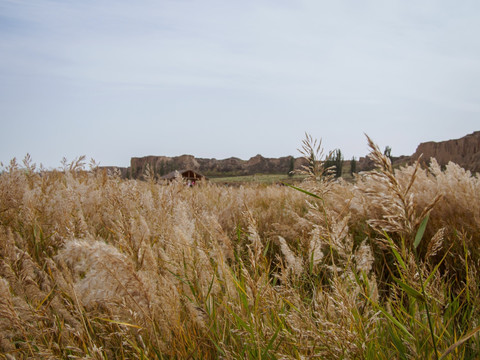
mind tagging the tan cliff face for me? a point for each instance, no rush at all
(464, 152)
(162, 165)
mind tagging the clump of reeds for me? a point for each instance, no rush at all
(94, 266)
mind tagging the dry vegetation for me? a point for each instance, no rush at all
(92, 266)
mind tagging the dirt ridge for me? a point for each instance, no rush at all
(464, 151)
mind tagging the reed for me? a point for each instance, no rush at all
(93, 266)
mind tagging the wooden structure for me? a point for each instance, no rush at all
(188, 175)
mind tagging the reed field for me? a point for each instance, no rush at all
(383, 267)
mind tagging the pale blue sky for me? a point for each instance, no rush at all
(219, 78)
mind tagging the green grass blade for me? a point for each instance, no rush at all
(397, 343)
(460, 342)
(432, 274)
(270, 344)
(395, 252)
(392, 319)
(420, 232)
(303, 191)
(410, 290)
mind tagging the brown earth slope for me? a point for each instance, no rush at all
(464, 151)
(212, 167)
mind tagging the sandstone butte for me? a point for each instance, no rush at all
(464, 151)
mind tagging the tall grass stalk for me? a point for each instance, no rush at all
(95, 266)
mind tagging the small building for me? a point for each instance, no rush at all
(190, 176)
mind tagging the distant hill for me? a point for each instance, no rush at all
(258, 164)
(464, 151)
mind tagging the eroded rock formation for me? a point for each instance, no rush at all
(464, 151)
(162, 165)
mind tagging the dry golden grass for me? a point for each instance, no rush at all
(93, 266)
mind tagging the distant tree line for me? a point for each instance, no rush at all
(335, 162)
(353, 166)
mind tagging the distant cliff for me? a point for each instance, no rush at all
(464, 151)
(258, 164)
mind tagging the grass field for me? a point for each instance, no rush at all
(258, 178)
(383, 267)
(270, 179)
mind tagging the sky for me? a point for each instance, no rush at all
(118, 79)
